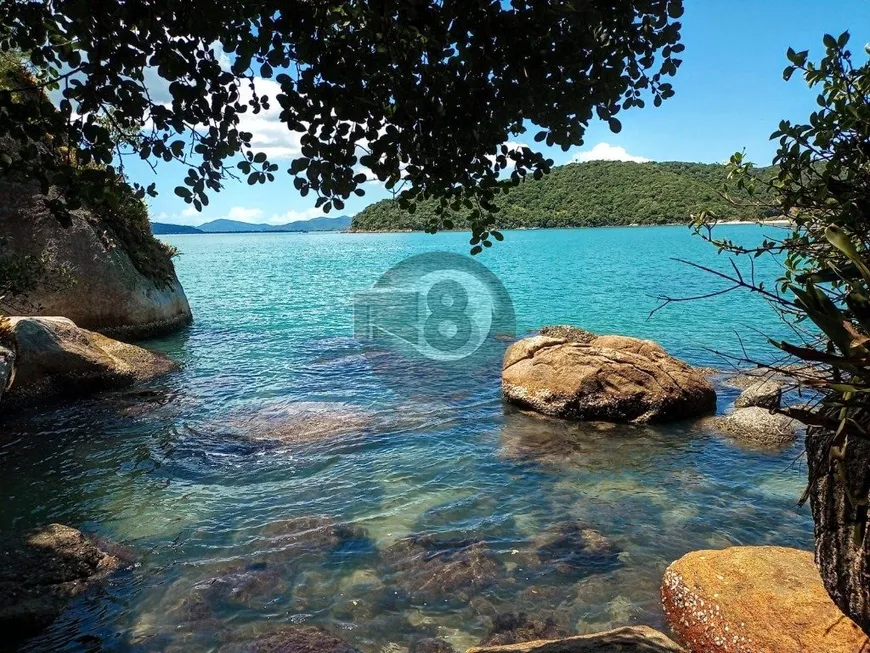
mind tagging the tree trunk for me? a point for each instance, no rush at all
(838, 496)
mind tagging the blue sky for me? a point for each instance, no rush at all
(730, 95)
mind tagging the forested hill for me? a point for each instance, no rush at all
(598, 193)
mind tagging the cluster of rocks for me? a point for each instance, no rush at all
(570, 373)
(754, 418)
(741, 599)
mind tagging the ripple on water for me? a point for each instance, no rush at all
(278, 480)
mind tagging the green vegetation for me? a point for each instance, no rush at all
(821, 178)
(590, 194)
(127, 226)
(428, 90)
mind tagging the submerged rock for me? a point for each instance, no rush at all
(310, 533)
(512, 628)
(432, 645)
(571, 548)
(429, 569)
(294, 639)
(609, 378)
(758, 425)
(304, 422)
(56, 358)
(749, 599)
(630, 639)
(40, 571)
(117, 279)
(762, 393)
(251, 586)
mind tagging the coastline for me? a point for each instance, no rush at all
(768, 223)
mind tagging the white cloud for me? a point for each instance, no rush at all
(295, 216)
(190, 216)
(606, 152)
(243, 214)
(270, 135)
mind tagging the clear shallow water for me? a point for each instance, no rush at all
(240, 527)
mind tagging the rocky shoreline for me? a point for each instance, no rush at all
(738, 599)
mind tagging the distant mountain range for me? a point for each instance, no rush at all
(164, 228)
(223, 226)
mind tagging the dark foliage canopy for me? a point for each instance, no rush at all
(421, 94)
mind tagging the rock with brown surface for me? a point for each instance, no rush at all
(762, 599)
(509, 628)
(294, 639)
(432, 645)
(633, 639)
(570, 548)
(40, 571)
(304, 422)
(56, 358)
(608, 378)
(287, 540)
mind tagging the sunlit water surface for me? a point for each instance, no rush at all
(237, 531)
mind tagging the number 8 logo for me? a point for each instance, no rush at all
(447, 300)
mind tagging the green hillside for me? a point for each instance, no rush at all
(598, 193)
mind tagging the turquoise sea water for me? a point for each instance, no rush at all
(241, 522)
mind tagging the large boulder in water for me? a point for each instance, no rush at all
(633, 639)
(763, 599)
(109, 274)
(54, 358)
(40, 571)
(607, 378)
